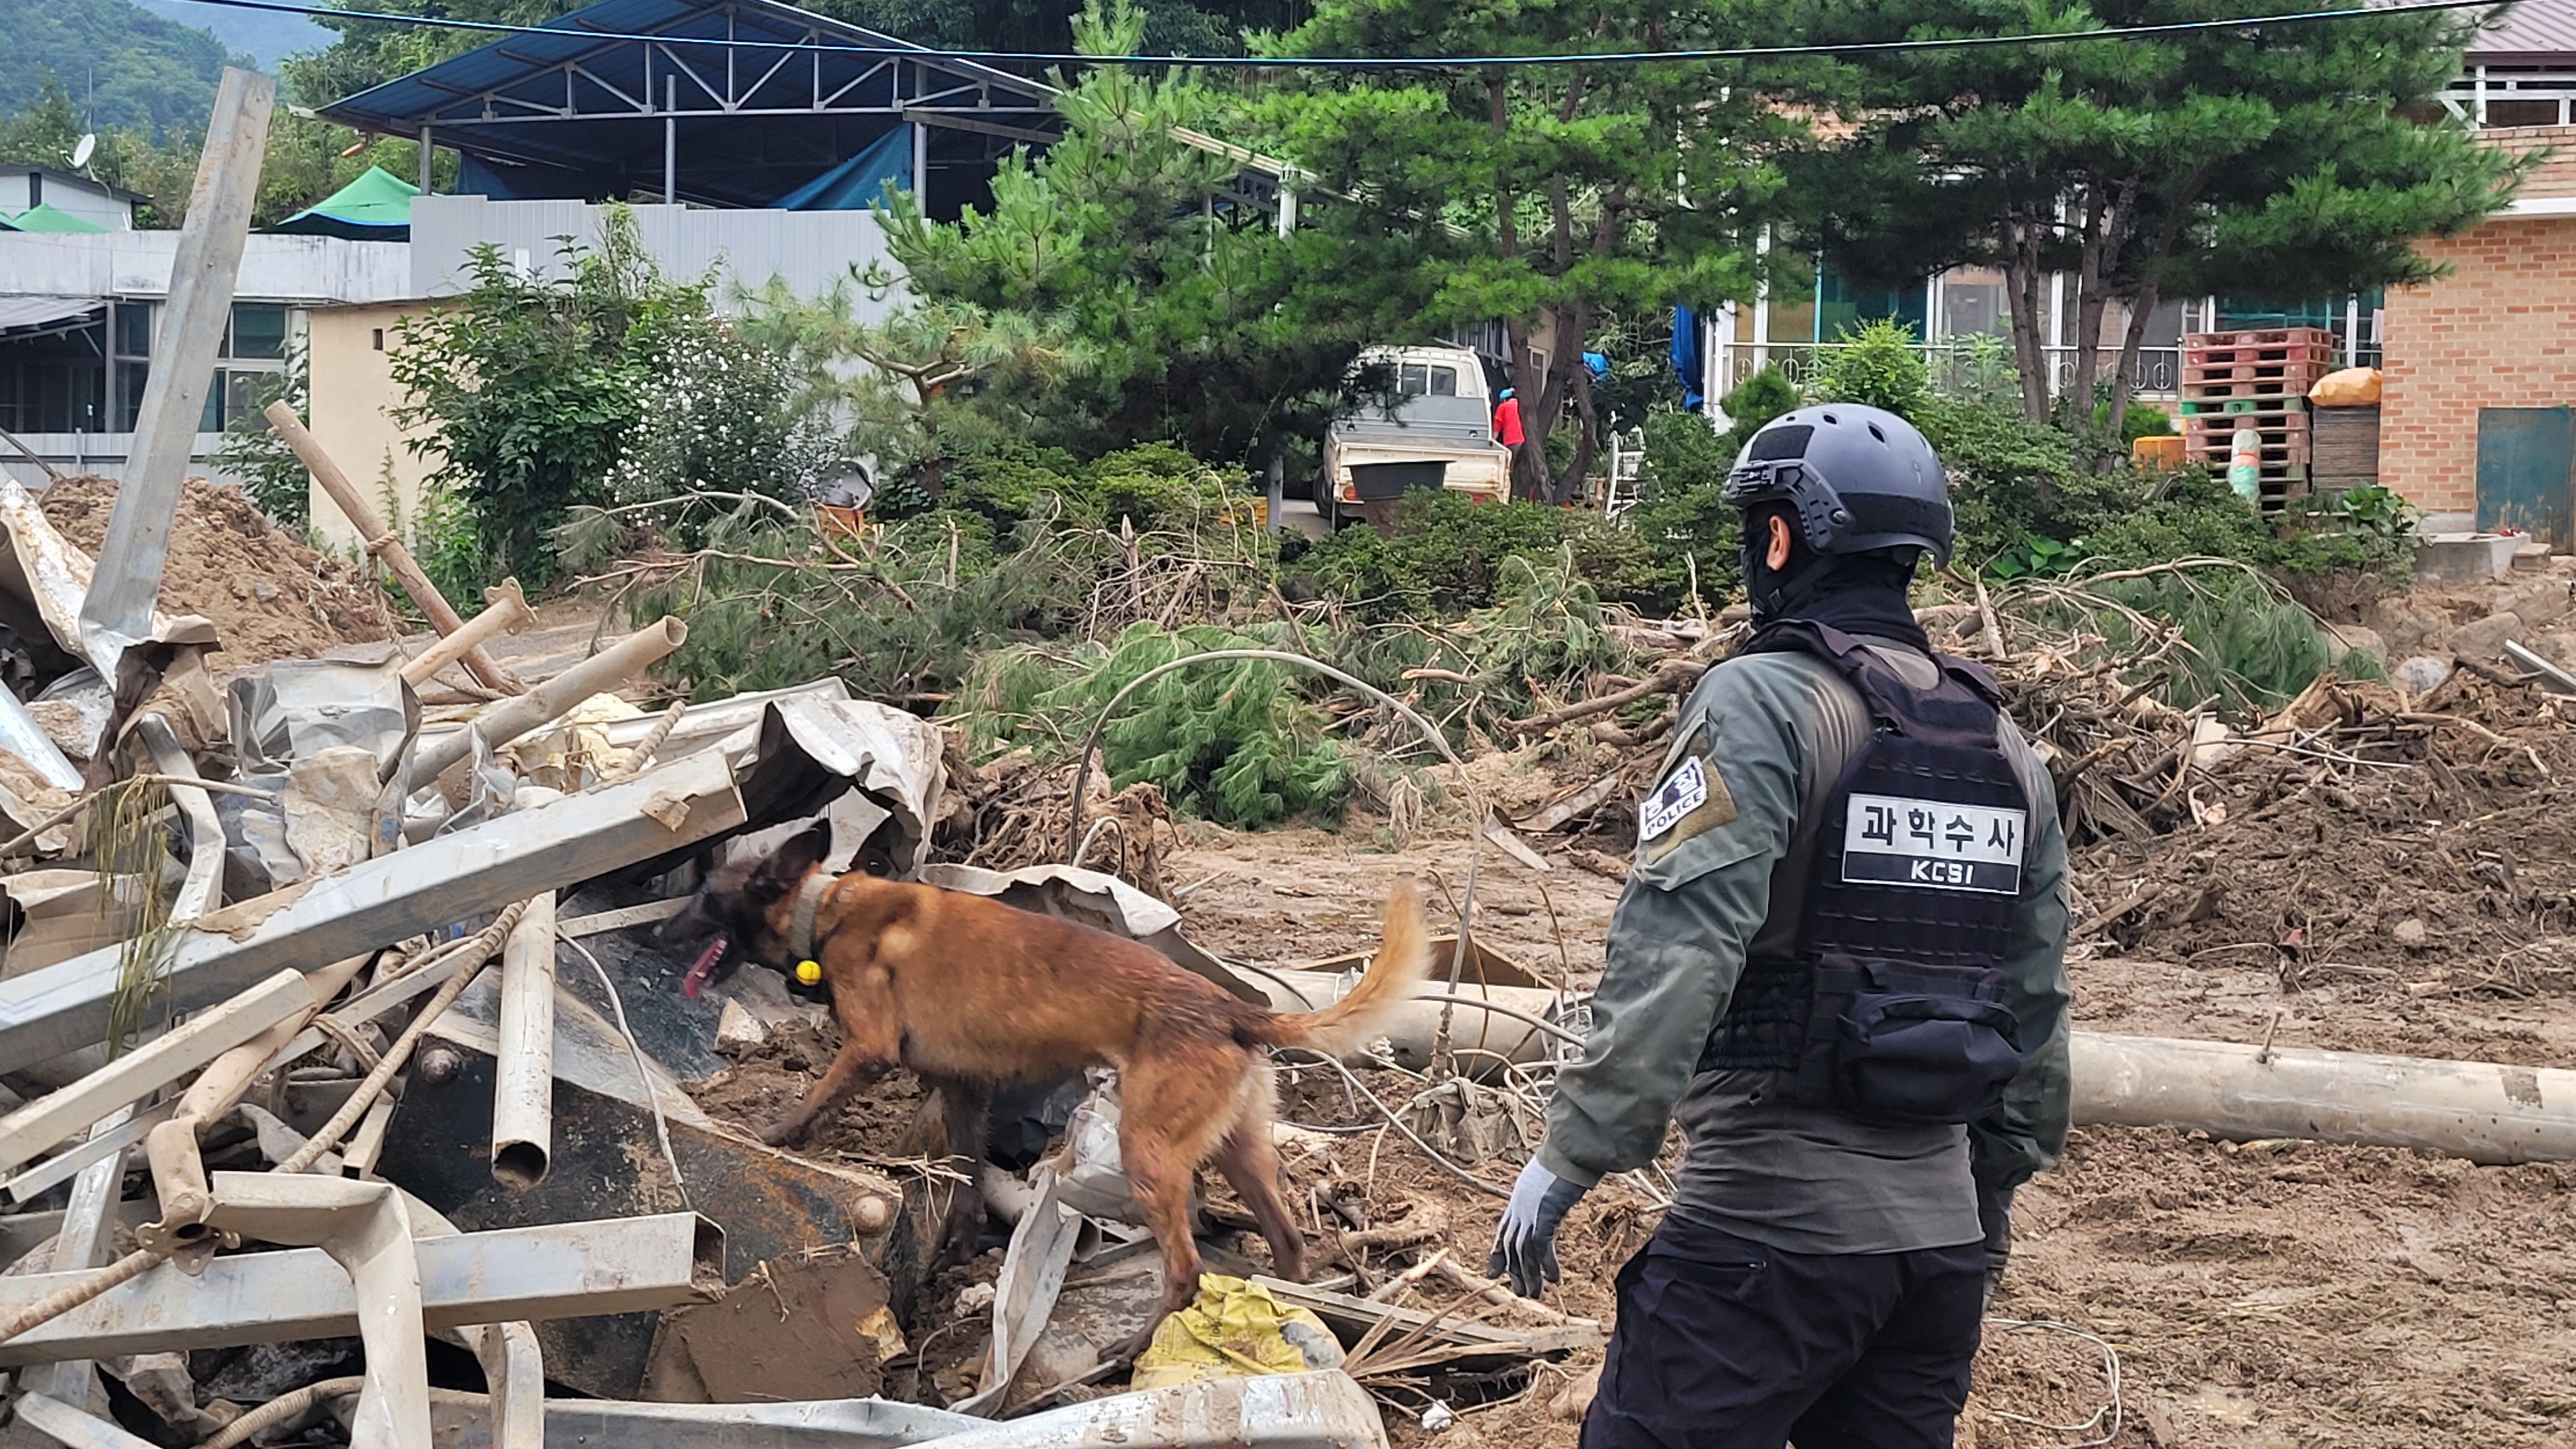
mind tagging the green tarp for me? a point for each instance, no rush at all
(51, 219)
(375, 207)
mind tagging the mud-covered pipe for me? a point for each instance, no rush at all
(178, 1172)
(505, 611)
(523, 1075)
(1482, 1039)
(608, 669)
(2482, 1111)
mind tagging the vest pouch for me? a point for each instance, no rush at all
(1905, 1043)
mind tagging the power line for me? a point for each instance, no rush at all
(902, 50)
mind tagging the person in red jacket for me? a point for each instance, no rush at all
(1507, 419)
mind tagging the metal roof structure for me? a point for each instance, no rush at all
(2533, 32)
(730, 103)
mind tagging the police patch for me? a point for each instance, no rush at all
(1690, 800)
(1932, 844)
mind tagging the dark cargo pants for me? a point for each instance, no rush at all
(1723, 1343)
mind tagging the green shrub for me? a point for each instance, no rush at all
(1878, 365)
(1443, 556)
(1755, 401)
(1682, 520)
(1235, 740)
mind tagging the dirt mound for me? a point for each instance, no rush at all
(269, 595)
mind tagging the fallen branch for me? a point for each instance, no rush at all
(1673, 677)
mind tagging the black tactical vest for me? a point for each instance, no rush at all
(1891, 1008)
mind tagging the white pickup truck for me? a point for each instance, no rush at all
(1434, 430)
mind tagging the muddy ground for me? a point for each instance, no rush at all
(2255, 1296)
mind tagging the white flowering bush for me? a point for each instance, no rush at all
(715, 414)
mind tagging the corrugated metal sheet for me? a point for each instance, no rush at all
(2534, 31)
(36, 311)
(400, 105)
(809, 250)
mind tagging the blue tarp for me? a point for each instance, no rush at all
(1686, 358)
(860, 182)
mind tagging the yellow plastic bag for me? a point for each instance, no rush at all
(2354, 387)
(1235, 1330)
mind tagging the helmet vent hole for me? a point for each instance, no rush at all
(1829, 417)
(1875, 433)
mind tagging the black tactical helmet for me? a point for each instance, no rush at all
(1860, 478)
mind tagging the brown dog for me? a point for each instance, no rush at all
(971, 994)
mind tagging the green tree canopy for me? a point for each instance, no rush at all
(1553, 198)
(1133, 295)
(2279, 162)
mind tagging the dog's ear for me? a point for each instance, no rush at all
(788, 865)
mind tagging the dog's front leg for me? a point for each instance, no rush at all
(855, 1066)
(871, 1042)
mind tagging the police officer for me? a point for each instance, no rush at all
(1840, 963)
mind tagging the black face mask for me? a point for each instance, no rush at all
(1858, 593)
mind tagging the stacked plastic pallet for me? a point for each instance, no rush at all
(2258, 380)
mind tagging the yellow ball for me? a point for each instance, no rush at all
(809, 973)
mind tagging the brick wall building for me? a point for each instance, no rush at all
(2498, 331)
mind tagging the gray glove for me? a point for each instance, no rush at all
(1994, 1214)
(1525, 1242)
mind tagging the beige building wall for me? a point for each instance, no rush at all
(354, 395)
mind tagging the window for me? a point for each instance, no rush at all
(380, 339)
(2522, 113)
(1412, 380)
(1444, 382)
(132, 366)
(258, 331)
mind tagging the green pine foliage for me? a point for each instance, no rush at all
(1235, 740)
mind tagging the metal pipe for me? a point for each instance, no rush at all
(61, 1008)
(487, 941)
(178, 1172)
(511, 718)
(366, 1229)
(523, 1075)
(505, 611)
(20, 735)
(558, 1270)
(72, 1427)
(55, 1116)
(383, 543)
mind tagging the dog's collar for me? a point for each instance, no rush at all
(800, 924)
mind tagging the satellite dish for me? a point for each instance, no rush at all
(81, 150)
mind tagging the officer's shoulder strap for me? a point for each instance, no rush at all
(1960, 708)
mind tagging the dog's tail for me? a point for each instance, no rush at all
(1403, 958)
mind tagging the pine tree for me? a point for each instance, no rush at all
(2279, 162)
(1554, 198)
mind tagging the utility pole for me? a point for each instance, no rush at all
(118, 611)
